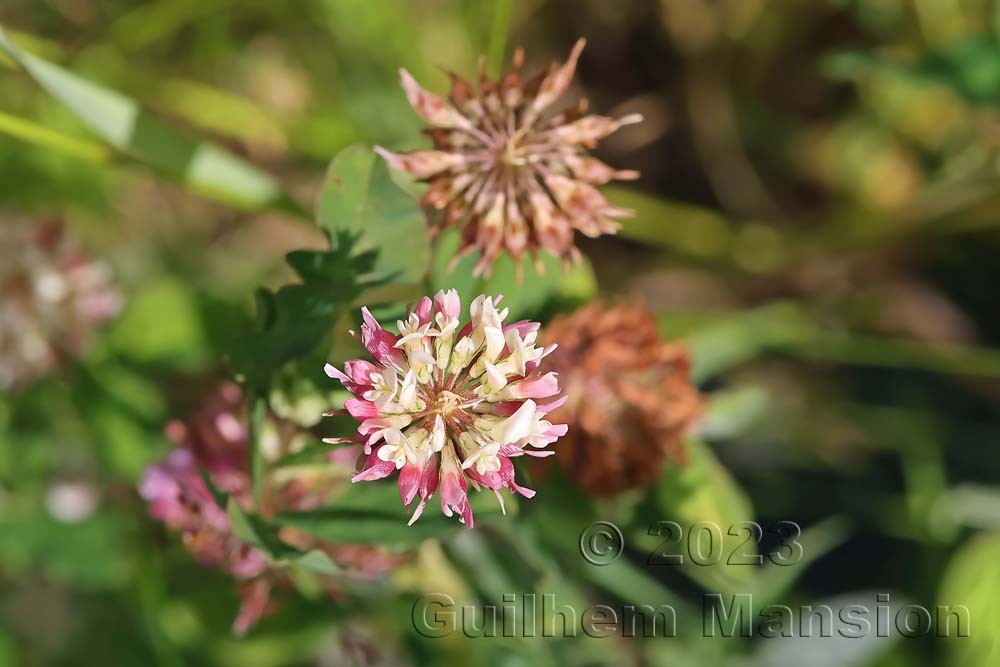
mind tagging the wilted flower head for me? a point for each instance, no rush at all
(508, 171)
(630, 397)
(450, 404)
(52, 299)
(215, 442)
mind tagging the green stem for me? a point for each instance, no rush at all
(498, 36)
(151, 597)
(258, 409)
(34, 133)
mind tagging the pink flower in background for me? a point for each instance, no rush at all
(214, 440)
(509, 172)
(448, 405)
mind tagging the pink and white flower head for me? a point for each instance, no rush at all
(449, 404)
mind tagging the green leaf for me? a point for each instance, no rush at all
(119, 121)
(317, 561)
(738, 337)
(772, 581)
(309, 453)
(459, 278)
(161, 324)
(258, 411)
(29, 131)
(833, 650)
(257, 532)
(523, 297)
(373, 512)
(529, 294)
(732, 412)
(220, 497)
(970, 67)
(359, 196)
(91, 554)
(972, 579)
(690, 229)
(292, 321)
(247, 527)
(703, 491)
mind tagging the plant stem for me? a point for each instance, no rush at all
(498, 36)
(256, 422)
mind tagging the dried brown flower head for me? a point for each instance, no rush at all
(506, 171)
(630, 397)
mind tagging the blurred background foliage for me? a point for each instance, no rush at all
(817, 220)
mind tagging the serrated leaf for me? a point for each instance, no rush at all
(293, 320)
(360, 196)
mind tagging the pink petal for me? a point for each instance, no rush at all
(448, 303)
(523, 327)
(375, 468)
(423, 310)
(587, 131)
(506, 474)
(467, 514)
(356, 376)
(555, 84)
(539, 386)
(429, 106)
(255, 604)
(423, 164)
(378, 341)
(593, 171)
(551, 406)
(360, 408)
(409, 482)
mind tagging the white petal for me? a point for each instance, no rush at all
(494, 377)
(438, 434)
(517, 426)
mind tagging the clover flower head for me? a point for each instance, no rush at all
(506, 170)
(630, 400)
(53, 299)
(449, 405)
(215, 442)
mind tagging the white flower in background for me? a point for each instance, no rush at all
(71, 502)
(52, 299)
